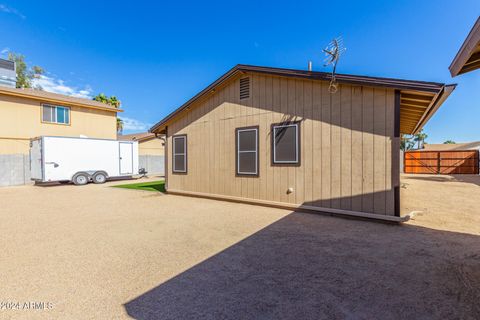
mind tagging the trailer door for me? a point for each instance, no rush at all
(126, 158)
(36, 160)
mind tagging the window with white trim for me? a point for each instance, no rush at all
(179, 154)
(286, 143)
(55, 114)
(247, 151)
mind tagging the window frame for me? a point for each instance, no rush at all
(54, 109)
(257, 151)
(275, 162)
(185, 154)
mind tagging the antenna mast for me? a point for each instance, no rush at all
(333, 52)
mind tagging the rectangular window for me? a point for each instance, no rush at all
(286, 143)
(247, 151)
(55, 114)
(179, 154)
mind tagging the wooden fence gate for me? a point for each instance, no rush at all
(441, 162)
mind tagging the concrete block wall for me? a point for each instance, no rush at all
(155, 165)
(14, 169)
(402, 154)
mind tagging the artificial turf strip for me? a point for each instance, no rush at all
(158, 186)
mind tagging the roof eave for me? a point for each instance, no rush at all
(58, 101)
(466, 50)
(436, 103)
(431, 87)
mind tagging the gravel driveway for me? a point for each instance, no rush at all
(97, 252)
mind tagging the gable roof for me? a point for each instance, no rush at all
(141, 136)
(468, 57)
(433, 93)
(48, 97)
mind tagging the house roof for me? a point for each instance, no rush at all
(468, 57)
(451, 147)
(418, 101)
(140, 136)
(45, 96)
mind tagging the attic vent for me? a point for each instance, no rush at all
(244, 88)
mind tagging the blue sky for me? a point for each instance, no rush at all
(154, 56)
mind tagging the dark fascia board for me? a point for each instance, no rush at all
(466, 50)
(400, 84)
(436, 103)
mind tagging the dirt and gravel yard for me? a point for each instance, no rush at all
(97, 252)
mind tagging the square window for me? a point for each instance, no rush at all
(286, 143)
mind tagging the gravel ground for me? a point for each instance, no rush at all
(96, 252)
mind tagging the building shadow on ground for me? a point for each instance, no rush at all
(310, 266)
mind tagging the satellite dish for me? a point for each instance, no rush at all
(333, 52)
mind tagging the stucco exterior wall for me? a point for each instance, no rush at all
(152, 147)
(20, 120)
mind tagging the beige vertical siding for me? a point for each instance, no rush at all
(346, 144)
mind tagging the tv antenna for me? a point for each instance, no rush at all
(333, 52)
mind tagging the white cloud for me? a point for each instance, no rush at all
(130, 124)
(5, 50)
(4, 8)
(53, 85)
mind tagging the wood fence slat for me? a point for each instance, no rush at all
(442, 162)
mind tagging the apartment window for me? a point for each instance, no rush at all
(55, 114)
(179, 154)
(286, 143)
(247, 151)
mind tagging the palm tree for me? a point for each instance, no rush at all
(101, 98)
(119, 125)
(406, 143)
(113, 101)
(420, 139)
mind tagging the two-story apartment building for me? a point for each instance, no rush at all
(28, 113)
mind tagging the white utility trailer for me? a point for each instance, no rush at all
(81, 160)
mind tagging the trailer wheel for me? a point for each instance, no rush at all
(80, 179)
(99, 177)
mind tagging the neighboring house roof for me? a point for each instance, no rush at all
(452, 146)
(49, 97)
(418, 100)
(468, 57)
(141, 136)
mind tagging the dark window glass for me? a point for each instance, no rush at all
(47, 113)
(247, 151)
(179, 143)
(247, 162)
(179, 164)
(248, 140)
(179, 154)
(286, 148)
(61, 115)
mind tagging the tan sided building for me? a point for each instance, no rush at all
(278, 137)
(151, 151)
(27, 113)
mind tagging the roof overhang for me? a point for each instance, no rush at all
(468, 57)
(57, 99)
(419, 99)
